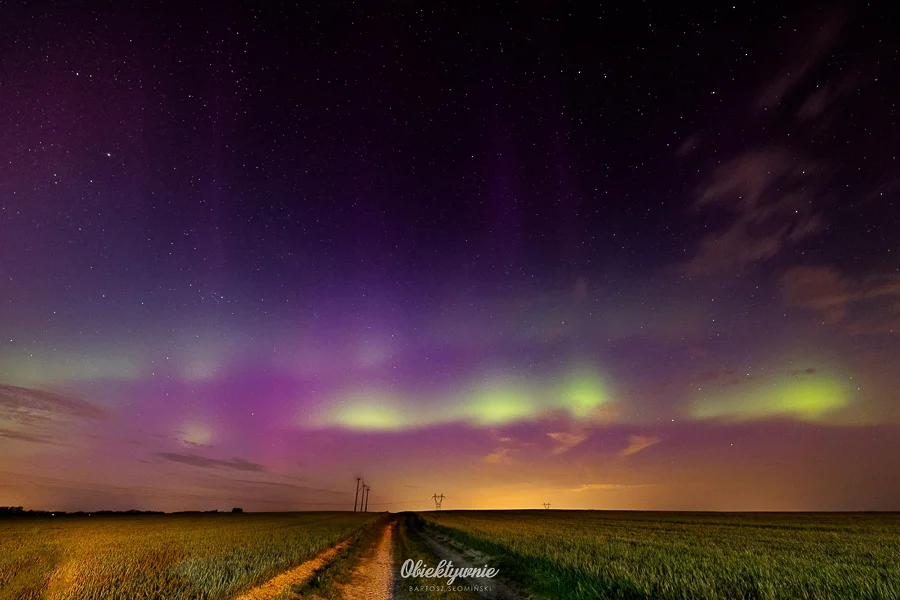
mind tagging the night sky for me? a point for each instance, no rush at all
(627, 258)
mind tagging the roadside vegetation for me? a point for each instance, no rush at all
(326, 582)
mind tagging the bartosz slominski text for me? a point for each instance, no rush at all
(446, 569)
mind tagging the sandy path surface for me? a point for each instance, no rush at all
(298, 574)
(373, 578)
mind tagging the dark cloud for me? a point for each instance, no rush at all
(771, 197)
(237, 464)
(196, 444)
(689, 144)
(798, 372)
(706, 376)
(776, 194)
(832, 294)
(243, 483)
(827, 96)
(803, 57)
(268, 483)
(820, 288)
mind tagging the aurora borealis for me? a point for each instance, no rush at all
(619, 258)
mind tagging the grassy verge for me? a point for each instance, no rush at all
(325, 581)
(409, 545)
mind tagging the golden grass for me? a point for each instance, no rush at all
(177, 557)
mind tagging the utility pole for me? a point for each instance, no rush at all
(367, 499)
(356, 497)
(437, 500)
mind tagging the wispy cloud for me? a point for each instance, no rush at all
(194, 460)
(236, 483)
(18, 403)
(29, 437)
(565, 441)
(588, 487)
(636, 443)
(802, 59)
(771, 195)
(689, 144)
(827, 97)
(776, 195)
(826, 290)
(499, 456)
(42, 417)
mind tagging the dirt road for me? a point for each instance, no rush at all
(373, 577)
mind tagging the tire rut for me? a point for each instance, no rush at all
(445, 549)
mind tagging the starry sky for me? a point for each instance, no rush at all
(628, 258)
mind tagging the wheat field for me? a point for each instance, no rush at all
(176, 557)
(681, 556)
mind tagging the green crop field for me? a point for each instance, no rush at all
(551, 554)
(176, 557)
(760, 556)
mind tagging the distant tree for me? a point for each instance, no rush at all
(237, 510)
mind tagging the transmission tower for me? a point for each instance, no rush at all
(437, 501)
(547, 505)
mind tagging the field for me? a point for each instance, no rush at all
(176, 557)
(541, 554)
(588, 554)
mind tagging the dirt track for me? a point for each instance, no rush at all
(488, 588)
(373, 578)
